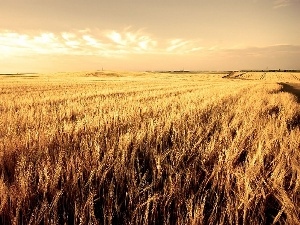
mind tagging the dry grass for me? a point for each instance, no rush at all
(149, 149)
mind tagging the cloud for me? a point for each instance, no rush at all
(284, 3)
(131, 49)
(111, 43)
(116, 38)
(119, 44)
(17, 44)
(183, 46)
(92, 41)
(132, 42)
(176, 44)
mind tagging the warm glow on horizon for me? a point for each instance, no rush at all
(217, 36)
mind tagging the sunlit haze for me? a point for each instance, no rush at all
(56, 35)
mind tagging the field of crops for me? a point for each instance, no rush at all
(149, 148)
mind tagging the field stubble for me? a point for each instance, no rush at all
(149, 149)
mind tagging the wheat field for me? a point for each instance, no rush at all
(149, 148)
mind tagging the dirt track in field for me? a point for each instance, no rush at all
(293, 88)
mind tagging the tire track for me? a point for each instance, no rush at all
(263, 76)
(295, 77)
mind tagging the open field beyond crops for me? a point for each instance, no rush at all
(150, 148)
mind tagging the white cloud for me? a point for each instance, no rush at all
(284, 3)
(86, 42)
(112, 44)
(91, 41)
(70, 40)
(183, 46)
(116, 37)
(146, 43)
(67, 36)
(44, 38)
(99, 47)
(132, 42)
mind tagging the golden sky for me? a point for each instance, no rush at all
(72, 35)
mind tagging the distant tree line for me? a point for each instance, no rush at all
(279, 70)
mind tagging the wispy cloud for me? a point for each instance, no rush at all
(111, 43)
(284, 3)
(13, 43)
(119, 44)
(132, 42)
(183, 46)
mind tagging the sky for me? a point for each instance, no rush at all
(139, 35)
